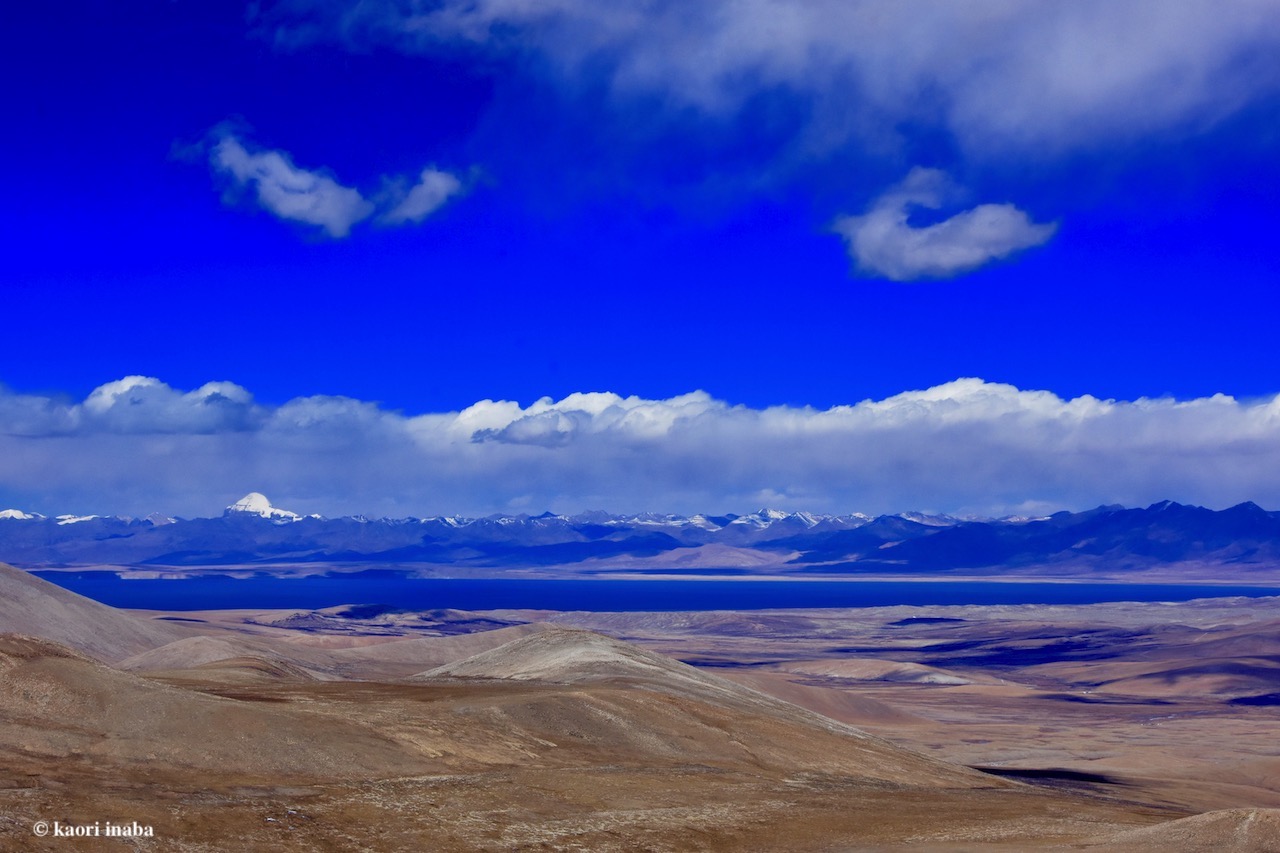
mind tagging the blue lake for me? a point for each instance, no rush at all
(398, 590)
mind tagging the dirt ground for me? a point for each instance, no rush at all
(1110, 727)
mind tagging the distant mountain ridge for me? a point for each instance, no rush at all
(252, 531)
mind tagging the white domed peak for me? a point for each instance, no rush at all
(256, 503)
(252, 502)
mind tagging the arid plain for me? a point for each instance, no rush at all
(1109, 727)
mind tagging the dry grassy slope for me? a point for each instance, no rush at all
(576, 656)
(1222, 662)
(770, 731)
(244, 669)
(843, 705)
(310, 655)
(581, 741)
(284, 658)
(58, 703)
(871, 669)
(622, 704)
(232, 659)
(402, 658)
(1216, 677)
(29, 605)
(197, 651)
(1235, 830)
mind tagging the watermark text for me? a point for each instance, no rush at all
(97, 829)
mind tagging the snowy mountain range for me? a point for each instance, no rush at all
(251, 531)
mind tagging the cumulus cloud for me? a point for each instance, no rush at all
(314, 198)
(997, 74)
(138, 445)
(141, 404)
(136, 405)
(883, 242)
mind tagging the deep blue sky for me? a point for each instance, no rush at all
(624, 246)
(419, 206)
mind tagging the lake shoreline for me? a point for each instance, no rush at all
(408, 592)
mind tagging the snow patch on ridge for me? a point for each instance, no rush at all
(75, 519)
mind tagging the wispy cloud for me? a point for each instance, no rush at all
(861, 82)
(288, 191)
(138, 445)
(883, 241)
(314, 197)
(997, 74)
(432, 190)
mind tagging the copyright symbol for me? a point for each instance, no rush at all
(40, 827)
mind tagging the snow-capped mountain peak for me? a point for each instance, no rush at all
(256, 503)
(769, 538)
(761, 519)
(929, 520)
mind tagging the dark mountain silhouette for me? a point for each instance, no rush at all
(253, 532)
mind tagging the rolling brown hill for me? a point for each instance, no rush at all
(530, 736)
(1236, 830)
(731, 716)
(57, 704)
(29, 605)
(629, 752)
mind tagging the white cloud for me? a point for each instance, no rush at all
(142, 405)
(288, 191)
(883, 241)
(996, 73)
(138, 445)
(314, 198)
(990, 79)
(431, 191)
